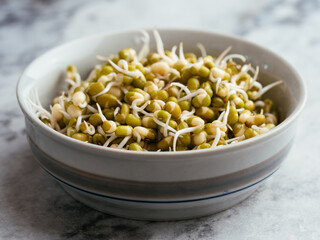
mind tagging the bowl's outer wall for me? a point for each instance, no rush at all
(160, 211)
(132, 189)
(45, 72)
(160, 168)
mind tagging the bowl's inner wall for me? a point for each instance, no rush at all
(47, 72)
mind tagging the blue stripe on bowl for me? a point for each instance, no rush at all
(168, 191)
(225, 193)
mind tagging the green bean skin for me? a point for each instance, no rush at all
(168, 100)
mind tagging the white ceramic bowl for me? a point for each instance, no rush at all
(159, 185)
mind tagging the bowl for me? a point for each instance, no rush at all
(159, 185)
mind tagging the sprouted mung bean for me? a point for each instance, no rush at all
(162, 101)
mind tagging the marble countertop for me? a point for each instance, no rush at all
(33, 206)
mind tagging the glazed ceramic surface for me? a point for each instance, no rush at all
(159, 185)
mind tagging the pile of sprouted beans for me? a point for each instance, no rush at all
(162, 101)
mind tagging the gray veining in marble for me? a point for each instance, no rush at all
(33, 206)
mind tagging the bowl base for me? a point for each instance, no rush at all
(159, 211)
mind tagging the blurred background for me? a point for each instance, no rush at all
(29, 27)
(33, 206)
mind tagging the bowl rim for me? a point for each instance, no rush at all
(92, 147)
